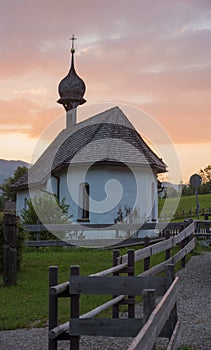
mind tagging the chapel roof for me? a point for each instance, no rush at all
(108, 136)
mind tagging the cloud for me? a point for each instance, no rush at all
(25, 117)
(154, 54)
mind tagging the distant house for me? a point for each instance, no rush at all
(101, 166)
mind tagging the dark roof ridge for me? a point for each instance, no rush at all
(90, 134)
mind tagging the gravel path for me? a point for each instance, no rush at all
(194, 308)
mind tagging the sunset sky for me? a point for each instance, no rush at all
(152, 54)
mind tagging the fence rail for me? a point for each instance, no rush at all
(123, 289)
(190, 213)
(147, 336)
(132, 233)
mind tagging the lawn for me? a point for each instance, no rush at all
(187, 203)
(26, 305)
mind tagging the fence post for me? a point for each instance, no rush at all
(146, 260)
(169, 279)
(168, 251)
(149, 302)
(115, 308)
(131, 300)
(74, 308)
(53, 305)
(10, 250)
(182, 245)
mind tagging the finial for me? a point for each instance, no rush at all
(73, 47)
(72, 87)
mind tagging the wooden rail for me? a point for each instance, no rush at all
(203, 231)
(131, 229)
(123, 289)
(147, 336)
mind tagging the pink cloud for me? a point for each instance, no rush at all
(155, 51)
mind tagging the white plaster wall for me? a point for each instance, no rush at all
(51, 185)
(20, 201)
(136, 191)
(136, 184)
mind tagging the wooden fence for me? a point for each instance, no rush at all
(158, 320)
(182, 214)
(132, 231)
(203, 231)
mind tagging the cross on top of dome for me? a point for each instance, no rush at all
(72, 87)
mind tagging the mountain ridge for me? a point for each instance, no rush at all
(8, 167)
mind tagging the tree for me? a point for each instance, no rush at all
(47, 209)
(205, 174)
(206, 180)
(187, 190)
(6, 187)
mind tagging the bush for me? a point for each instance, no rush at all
(20, 243)
(45, 209)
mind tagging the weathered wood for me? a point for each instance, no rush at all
(61, 330)
(9, 265)
(50, 243)
(103, 307)
(115, 308)
(206, 234)
(175, 338)
(172, 320)
(115, 285)
(182, 245)
(58, 330)
(61, 290)
(147, 259)
(168, 250)
(185, 233)
(88, 227)
(53, 306)
(173, 260)
(169, 275)
(74, 307)
(163, 245)
(97, 284)
(152, 249)
(106, 327)
(186, 250)
(111, 270)
(146, 338)
(10, 250)
(149, 300)
(131, 299)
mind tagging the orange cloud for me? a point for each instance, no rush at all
(25, 116)
(155, 55)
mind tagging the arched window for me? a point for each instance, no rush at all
(25, 203)
(84, 202)
(153, 203)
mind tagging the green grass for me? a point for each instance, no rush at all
(186, 203)
(26, 305)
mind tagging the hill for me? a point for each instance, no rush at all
(7, 168)
(187, 206)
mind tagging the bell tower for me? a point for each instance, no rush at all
(71, 90)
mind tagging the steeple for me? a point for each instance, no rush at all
(71, 90)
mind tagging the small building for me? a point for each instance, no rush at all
(101, 166)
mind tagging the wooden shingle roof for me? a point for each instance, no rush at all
(108, 136)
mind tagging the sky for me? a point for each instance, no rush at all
(152, 55)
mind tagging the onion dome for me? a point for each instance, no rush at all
(72, 87)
